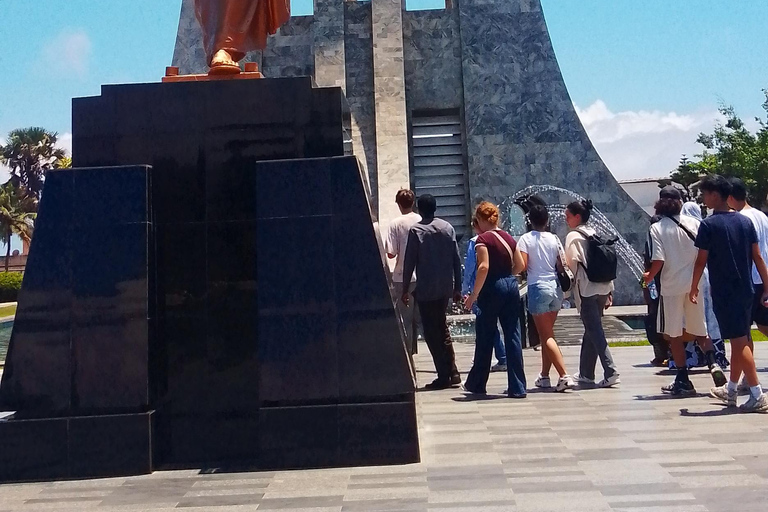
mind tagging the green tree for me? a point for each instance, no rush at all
(732, 150)
(29, 153)
(17, 215)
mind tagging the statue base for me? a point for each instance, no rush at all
(192, 277)
(250, 72)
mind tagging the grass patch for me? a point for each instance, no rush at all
(7, 311)
(756, 336)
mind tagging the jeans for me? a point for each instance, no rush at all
(438, 337)
(499, 302)
(498, 345)
(594, 345)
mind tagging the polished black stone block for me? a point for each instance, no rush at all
(101, 446)
(198, 440)
(299, 437)
(75, 447)
(231, 299)
(33, 449)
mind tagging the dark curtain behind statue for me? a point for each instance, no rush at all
(239, 26)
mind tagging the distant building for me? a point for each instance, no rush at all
(645, 192)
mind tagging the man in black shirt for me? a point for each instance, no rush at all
(727, 243)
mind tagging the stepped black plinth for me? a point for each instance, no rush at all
(206, 286)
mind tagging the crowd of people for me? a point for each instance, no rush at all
(704, 276)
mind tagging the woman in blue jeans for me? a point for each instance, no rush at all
(470, 269)
(498, 301)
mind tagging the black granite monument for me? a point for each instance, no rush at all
(206, 288)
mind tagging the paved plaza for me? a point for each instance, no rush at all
(625, 449)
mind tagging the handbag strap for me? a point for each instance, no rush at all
(687, 231)
(506, 246)
(563, 260)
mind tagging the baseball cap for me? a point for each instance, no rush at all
(670, 192)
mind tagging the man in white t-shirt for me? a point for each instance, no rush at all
(673, 256)
(397, 239)
(738, 201)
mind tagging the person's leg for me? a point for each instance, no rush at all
(600, 343)
(449, 355)
(545, 324)
(588, 355)
(509, 317)
(430, 316)
(498, 348)
(406, 311)
(485, 325)
(415, 321)
(741, 352)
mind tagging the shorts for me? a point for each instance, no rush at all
(544, 297)
(759, 312)
(678, 313)
(734, 314)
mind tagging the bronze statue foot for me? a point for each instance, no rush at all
(222, 64)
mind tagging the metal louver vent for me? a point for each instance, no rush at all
(438, 167)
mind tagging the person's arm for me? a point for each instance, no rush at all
(698, 271)
(658, 256)
(409, 264)
(653, 271)
(391, 245)
(573, 252)
(482, 274)
(456, 271)
(469, 269)
(761, 269)
(519, 263)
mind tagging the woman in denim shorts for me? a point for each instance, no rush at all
(541, 253)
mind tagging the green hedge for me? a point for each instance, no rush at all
(10, 284)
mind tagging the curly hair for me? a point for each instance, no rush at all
(488, 212)
(668, 207)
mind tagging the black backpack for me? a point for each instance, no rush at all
(602, 262)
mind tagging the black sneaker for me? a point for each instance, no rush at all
(455, 380)
(438, 384)
(718, 375)
(678, 388)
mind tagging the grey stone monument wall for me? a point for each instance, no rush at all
(521, 126)
(359, 56)
(491, 59)
(432, 59)
(290, 51)
(393, 166)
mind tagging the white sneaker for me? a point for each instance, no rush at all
(743, 388)
(582, 380)
(610, 381)
(498, 368)
(722, 394)
(759, 404)
(542, 382)
(565, 382)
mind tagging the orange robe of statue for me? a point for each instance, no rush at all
(239, 26)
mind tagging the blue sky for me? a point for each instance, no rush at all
(646, 75)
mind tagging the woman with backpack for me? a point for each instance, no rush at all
(592, 295)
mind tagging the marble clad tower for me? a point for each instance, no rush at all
(488, 63)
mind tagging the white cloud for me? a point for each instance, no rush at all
(644, 144)
(69, 52)
(65, 143)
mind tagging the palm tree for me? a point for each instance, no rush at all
(29, 153)
(17, 215)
